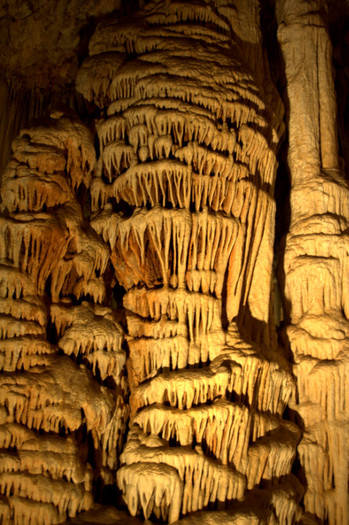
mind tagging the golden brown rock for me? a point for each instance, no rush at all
(173, 199)
(192, 156)
(315, 263)
(47, 401)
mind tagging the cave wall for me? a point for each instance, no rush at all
(150, 358)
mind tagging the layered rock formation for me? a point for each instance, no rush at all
(315, 263)
(51, 403)
(183, 195)
(173, 200)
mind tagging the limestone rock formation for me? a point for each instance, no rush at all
(315, 265)
(140, 359)
(50, 400)
(183, 194)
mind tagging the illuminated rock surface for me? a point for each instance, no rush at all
(316, 268)
(51, 405)
(141, 362)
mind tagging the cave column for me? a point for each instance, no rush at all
(184, 195)
(316, 260)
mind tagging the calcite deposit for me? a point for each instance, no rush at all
(316, 267)
(183, 195)
(51, 400)
(142, 365)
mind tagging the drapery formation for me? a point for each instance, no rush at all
(53, 350)
(174, 201)
(190, 159)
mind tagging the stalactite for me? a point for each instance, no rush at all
(193, 156)
(173, 200)
(47, 399)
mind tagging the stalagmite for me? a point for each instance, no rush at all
(150, 358)
(193, 157)
(47, 401)
(315, 265)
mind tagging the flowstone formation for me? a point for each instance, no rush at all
(51, 403)
(174, 396)
(316, 264)
(183, 194)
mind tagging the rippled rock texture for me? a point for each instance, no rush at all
(141, 363)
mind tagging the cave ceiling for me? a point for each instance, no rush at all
(43, 43)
